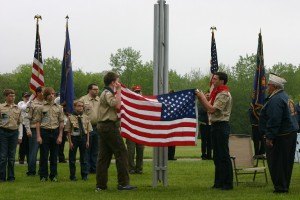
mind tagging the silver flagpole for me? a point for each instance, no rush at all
(160, 81)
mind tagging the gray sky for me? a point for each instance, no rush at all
(100, 27)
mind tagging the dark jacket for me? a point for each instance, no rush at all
(202, 114)
(278, 116)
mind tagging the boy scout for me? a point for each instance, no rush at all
(132, 148)
(219, 109)
(91, 107)
(78, 128)
(49, 127)
(111, 142)
(10, 116)
(30, 126)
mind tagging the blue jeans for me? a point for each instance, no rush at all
(8, 141)
(78, 142)
(49, 145)
(32, 154)
(92, 151)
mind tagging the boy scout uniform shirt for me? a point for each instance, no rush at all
(223, 105)
(10, 116)
(72, 125)
(28, 120)
(107, 110)
(91, 107)
(49, 115)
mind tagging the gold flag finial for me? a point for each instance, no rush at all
(67, 18)
(37, 17)
(213, 28)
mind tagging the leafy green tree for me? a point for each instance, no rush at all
(125, 62)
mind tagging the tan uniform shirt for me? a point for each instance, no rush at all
(107, 110)
(10, 116)
(28, 120)
(49, 115)
(223, 105)
(72, 125)
(91, 107)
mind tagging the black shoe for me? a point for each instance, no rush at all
(99, 189)
(216, 187)
(132, 171)
(62, 161)
(43, 179)
(126, 187)
(227, 187)
(73, 179)
(21, 162)
(85, 178)
(280, 191)
(92, 171)
(172, 159)
(30, 174)
(139, 172)
(11, 180)
(54, 179)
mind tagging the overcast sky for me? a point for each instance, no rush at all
(100, 27)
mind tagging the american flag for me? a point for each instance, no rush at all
(214, 67)
(37, 76)
(214, 57)
(162, 120)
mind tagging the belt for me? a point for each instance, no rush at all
(284, 134)
(49, 130)
(219, 122)
(107, 121)
(8, 130)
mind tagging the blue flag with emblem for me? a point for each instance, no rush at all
(259, 84)
(66, 85)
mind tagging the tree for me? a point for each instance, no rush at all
(125, 62)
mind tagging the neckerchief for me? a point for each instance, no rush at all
(216, 91)
(79, 118)
(109, 89)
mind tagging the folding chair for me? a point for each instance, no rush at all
(297, 153)
(244, 161)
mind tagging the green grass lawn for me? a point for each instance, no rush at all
(187, 179)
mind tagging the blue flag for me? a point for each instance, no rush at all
(66, 85)
(259, 84)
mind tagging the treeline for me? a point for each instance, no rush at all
(127, 62)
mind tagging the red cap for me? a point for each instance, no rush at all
(136, 88)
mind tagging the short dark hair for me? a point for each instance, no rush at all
(7, 92)
(110, 77)
(39, 89)
(48, 91)
(90, 86)
(222, 76)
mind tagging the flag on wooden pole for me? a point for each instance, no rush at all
(37, 75)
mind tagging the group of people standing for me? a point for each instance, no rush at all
(44, 123)
(94, 128)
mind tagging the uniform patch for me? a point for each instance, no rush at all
(27, 110)
(292, 109)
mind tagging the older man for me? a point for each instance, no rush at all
(278, 122)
